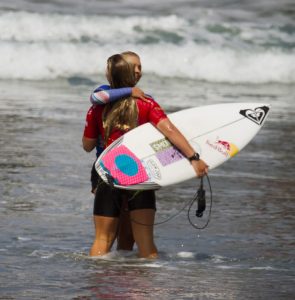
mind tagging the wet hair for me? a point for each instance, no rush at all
(130, 53)
(123, 114)
(120, 73)
(127, 54)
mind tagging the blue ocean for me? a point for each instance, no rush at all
(193, 53)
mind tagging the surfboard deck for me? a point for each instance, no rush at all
(144, 159)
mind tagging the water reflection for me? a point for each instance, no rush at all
(114, 281)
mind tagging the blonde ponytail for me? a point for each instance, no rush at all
(123, 114)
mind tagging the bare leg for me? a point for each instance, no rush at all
(125, 238)
(144, 235)
(105, 234)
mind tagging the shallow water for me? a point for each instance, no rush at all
(246, 252)
(193, 53)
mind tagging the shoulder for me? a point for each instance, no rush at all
(150, 111)
(95, 110)
(148, 101)
(103, 87)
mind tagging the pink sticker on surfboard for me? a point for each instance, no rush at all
(124, 167)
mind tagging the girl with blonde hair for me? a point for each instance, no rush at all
(111, 121)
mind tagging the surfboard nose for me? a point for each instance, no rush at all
(257, 114)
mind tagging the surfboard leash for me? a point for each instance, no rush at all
(200, 197)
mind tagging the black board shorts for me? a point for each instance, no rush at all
(109, 201)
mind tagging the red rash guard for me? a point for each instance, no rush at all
(148, 111)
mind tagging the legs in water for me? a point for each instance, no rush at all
(105, 234)
(125, 239)
(107, 229)
(127, 226)
(142, 221)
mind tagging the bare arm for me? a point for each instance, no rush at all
(178, 140)
(88, 144)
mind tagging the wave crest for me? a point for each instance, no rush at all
(36, 47)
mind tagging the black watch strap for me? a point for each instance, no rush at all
(195, 156)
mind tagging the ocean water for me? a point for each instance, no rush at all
(53, 54)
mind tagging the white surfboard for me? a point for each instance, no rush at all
(144, 159)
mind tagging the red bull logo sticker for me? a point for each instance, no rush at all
(225, 148)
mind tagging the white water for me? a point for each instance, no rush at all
(47, 46)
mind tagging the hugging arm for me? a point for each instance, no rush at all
(104, 94)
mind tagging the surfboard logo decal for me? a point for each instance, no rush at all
(166, 152)
(256, 115)
(225, 148)
(153, 169)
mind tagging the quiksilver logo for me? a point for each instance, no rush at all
(256, 115)
(154, 169)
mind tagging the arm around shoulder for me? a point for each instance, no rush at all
(104, 94)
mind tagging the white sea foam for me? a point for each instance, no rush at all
(23, 239)
(42, 254)
(185, 254)
(33, 27)
(36, 47)
(220, 65)
(267, 268)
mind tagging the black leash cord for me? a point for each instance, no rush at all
(200, 197)
(168, 219)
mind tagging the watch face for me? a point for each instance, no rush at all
(196, 156)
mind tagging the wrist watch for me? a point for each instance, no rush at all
(195, 156)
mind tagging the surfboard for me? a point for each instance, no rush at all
(144, 159)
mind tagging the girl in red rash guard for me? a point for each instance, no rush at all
(103, 95)
(111, 121)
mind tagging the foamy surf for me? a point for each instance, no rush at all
(49, 46)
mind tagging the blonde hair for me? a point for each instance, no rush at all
(123, 114)
(130, 53)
